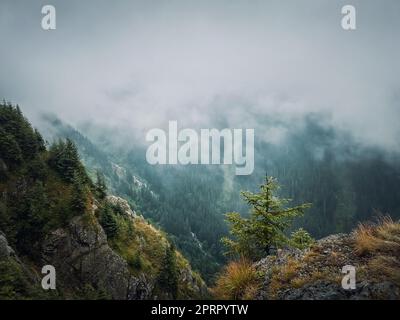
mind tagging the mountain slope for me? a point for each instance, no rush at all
(184, 203)
(52, 213)
(346, 182)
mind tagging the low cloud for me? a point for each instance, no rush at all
(134, 65)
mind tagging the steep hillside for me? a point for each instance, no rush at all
(52, 213)
(186, 203)
(315, 163)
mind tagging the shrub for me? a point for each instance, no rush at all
(135, 262)
(301, 239)
(14, 284)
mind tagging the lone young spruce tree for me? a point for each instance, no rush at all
(253, 237)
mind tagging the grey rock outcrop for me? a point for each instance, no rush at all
(319, 273)
(123, 204)
(323, 290)
(81, 255)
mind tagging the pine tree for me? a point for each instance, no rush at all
(100, 186)
(168, 277)
(30, 217)
(253, 237)
(41, 145)
(64, 159)
(79, 196)
(10, 151)
(108, 221)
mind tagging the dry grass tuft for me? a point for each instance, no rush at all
(289, 270)
(311, 256)
(283, 277)
(382, 242)
(384, 267)
(238, 281)
(381, 238)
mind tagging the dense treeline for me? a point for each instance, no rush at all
(40, 189)
(187, 204)
(345, 182)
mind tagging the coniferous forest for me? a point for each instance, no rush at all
(345, 183)
(199, 150)
(45, 185)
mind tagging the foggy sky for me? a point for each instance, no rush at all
(136, 65)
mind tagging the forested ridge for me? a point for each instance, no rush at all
(46, 185)
(53, 212)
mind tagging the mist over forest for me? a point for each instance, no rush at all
(324, 104)
(345, 181)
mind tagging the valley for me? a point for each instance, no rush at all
(345, 182)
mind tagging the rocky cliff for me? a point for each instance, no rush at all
(81, 255)
(316, 273)
(87, 267)
(53, 213)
